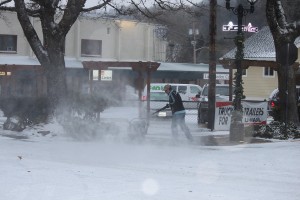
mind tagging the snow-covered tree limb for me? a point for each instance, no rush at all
(29, 31)
(285, 31)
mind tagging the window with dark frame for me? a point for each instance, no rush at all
(91, 47)
(8, 43)
(268, 71)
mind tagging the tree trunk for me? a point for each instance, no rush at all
(56, 76)
(287, 94)
(283, 33)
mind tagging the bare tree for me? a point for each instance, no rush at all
(284, 33)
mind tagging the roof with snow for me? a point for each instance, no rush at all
(259, 48)
(13, 60)
(189, 67)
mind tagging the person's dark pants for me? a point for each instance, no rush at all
(179, 119)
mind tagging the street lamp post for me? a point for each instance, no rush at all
(194, 42)
(194, 32)
(236, 126)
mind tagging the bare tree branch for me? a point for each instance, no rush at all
(5, 2)
(284, 31)
(99, 6)
(6, 8)
(29, 30)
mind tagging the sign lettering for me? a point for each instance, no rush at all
(253, 113)
(218, 76)
(231, 27)
(157, 87)
(106, 75)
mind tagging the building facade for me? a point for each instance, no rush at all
(90, 39)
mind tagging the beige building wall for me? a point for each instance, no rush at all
(257, 86)
(122, 40)
(10, 25)
(136, 41)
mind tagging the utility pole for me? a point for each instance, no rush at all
(212, 65)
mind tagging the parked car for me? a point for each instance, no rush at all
(158, 97)
(274, 103)
(222, 94)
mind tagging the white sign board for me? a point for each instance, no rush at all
(253, 113)
(218, 76)
(106, 75)
(95, 75)
(231, 27)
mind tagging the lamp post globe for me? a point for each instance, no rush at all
(252, 2)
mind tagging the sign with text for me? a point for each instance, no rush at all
(253, 113)
(95, 75)
(218, 76)
(3, 73)
(231, 27)
(106, 75)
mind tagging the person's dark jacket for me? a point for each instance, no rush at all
(175, 101)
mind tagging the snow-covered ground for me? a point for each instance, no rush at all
(58, 166)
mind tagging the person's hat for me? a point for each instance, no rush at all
(167, 87)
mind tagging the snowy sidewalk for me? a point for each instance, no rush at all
(161, 130)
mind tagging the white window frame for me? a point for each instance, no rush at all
(268, 76)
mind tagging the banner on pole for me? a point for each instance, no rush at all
(253, 113)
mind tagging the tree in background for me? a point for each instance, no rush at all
(284, 33)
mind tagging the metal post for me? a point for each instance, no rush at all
(286, 92)
(195, 60)
(140, 84)
(237, 126)
(230, 84)
(194, 42)
(239, 58)
(148, 91)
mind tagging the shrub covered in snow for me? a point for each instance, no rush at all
(276, 130)
(22, 112)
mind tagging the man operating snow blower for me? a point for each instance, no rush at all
(178, 113)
